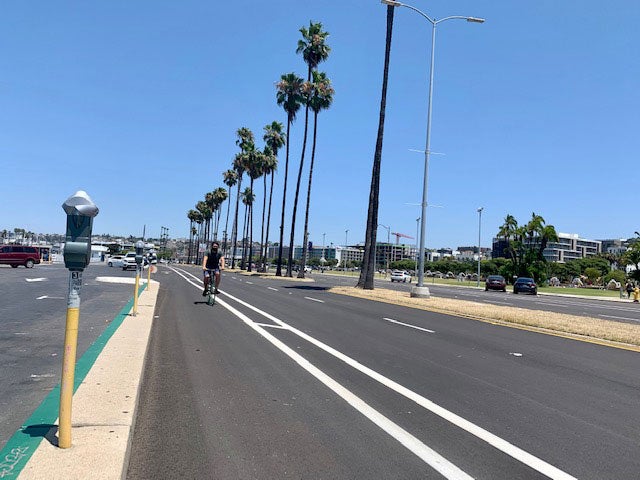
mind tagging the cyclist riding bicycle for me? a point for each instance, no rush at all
(212, 262)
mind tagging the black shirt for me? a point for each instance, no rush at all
(213, 260)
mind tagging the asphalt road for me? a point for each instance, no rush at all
(32, 321)
(284, 380)
(627, 312)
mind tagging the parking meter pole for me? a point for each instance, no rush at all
(80, 211)
(69, 359)
(149, 276)
(135, 292)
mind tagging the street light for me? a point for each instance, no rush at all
(420, 290)
(346, 242)
(479, 254)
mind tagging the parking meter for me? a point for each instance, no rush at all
(80, 211)
(139, 253)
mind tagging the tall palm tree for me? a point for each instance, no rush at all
(204, 213)
(198, 219)
(369, 261)
(191, 215)
(314, 50)
(219, 197)
(320, 98)
(208, 199)
(255, 171)
(274, 139)
(289, 97)
(247, 200)
(245, 141)
(230, 179)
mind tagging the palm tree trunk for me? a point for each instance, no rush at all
(190, 240)
(266, 237)
(295, 201)
(244, 237)
(226, 226)
(368, 264)
(264, 208)
(250, 229)
(284, 200)
(306, 213)
(234, 231)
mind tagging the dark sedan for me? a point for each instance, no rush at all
(525, 285)
(495, 282)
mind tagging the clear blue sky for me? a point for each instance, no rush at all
(138, 103)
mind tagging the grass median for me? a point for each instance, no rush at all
(617, 333)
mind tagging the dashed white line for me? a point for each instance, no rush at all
(274, 289)
(407, 325)
(249, 283)
(314, 299)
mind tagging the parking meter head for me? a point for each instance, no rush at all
(139, 252)
(80, 211)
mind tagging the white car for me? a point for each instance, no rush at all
(115, 261)
(400, 276)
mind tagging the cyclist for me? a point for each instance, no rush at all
(212, 262)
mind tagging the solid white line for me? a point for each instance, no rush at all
(497, 442)
(274, 289)
(314, 299)
(619, 318)
(407, 325)
(40, 298)
(35, 279)
(429, 456)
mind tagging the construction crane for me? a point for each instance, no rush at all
(398, 235)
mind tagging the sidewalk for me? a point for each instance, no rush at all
(104, 407)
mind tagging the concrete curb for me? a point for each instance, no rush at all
(104, 407)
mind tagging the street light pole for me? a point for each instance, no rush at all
(479, 254)
(420, 290)
(346, 242)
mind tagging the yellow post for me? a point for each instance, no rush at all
(135, 293)
(69, 359)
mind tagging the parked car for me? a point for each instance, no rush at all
(129, 261)
(16, 255)
(525, 285)
(495, 282)
(400, 276)
(115, 261)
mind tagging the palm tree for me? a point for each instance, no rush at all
(320, 98)
(245, 141)
(314, 50)
(289, 97)
(274, 140)
(255, 170)
(219, 197)
(204, 212)
(198, 219)
(191, 215)
(230, 179)
(369, 261)
(247, 200)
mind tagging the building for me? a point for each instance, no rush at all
(568, 247)
(615, 246)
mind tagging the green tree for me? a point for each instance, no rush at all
(592, 274)
(289, 97)
(245, 141)
(369, 260)
(320, 96)
(247, 200)
(255, 170)
(632, 257)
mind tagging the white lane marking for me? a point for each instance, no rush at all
(44, 375)
(314, 299)
(493, 440)
(35, 279)
(515, 354)
(274, 289)
(249, 283)
(20, 333)
(429, 456)
(267, 325)
(47, 296)
(497, 442)
(408, 325)
(123, 280)
(233, 278)
(619, 318)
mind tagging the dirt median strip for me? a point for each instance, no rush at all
(623, 335)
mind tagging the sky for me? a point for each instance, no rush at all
(137, 103)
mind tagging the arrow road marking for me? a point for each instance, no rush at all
(407, 325)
